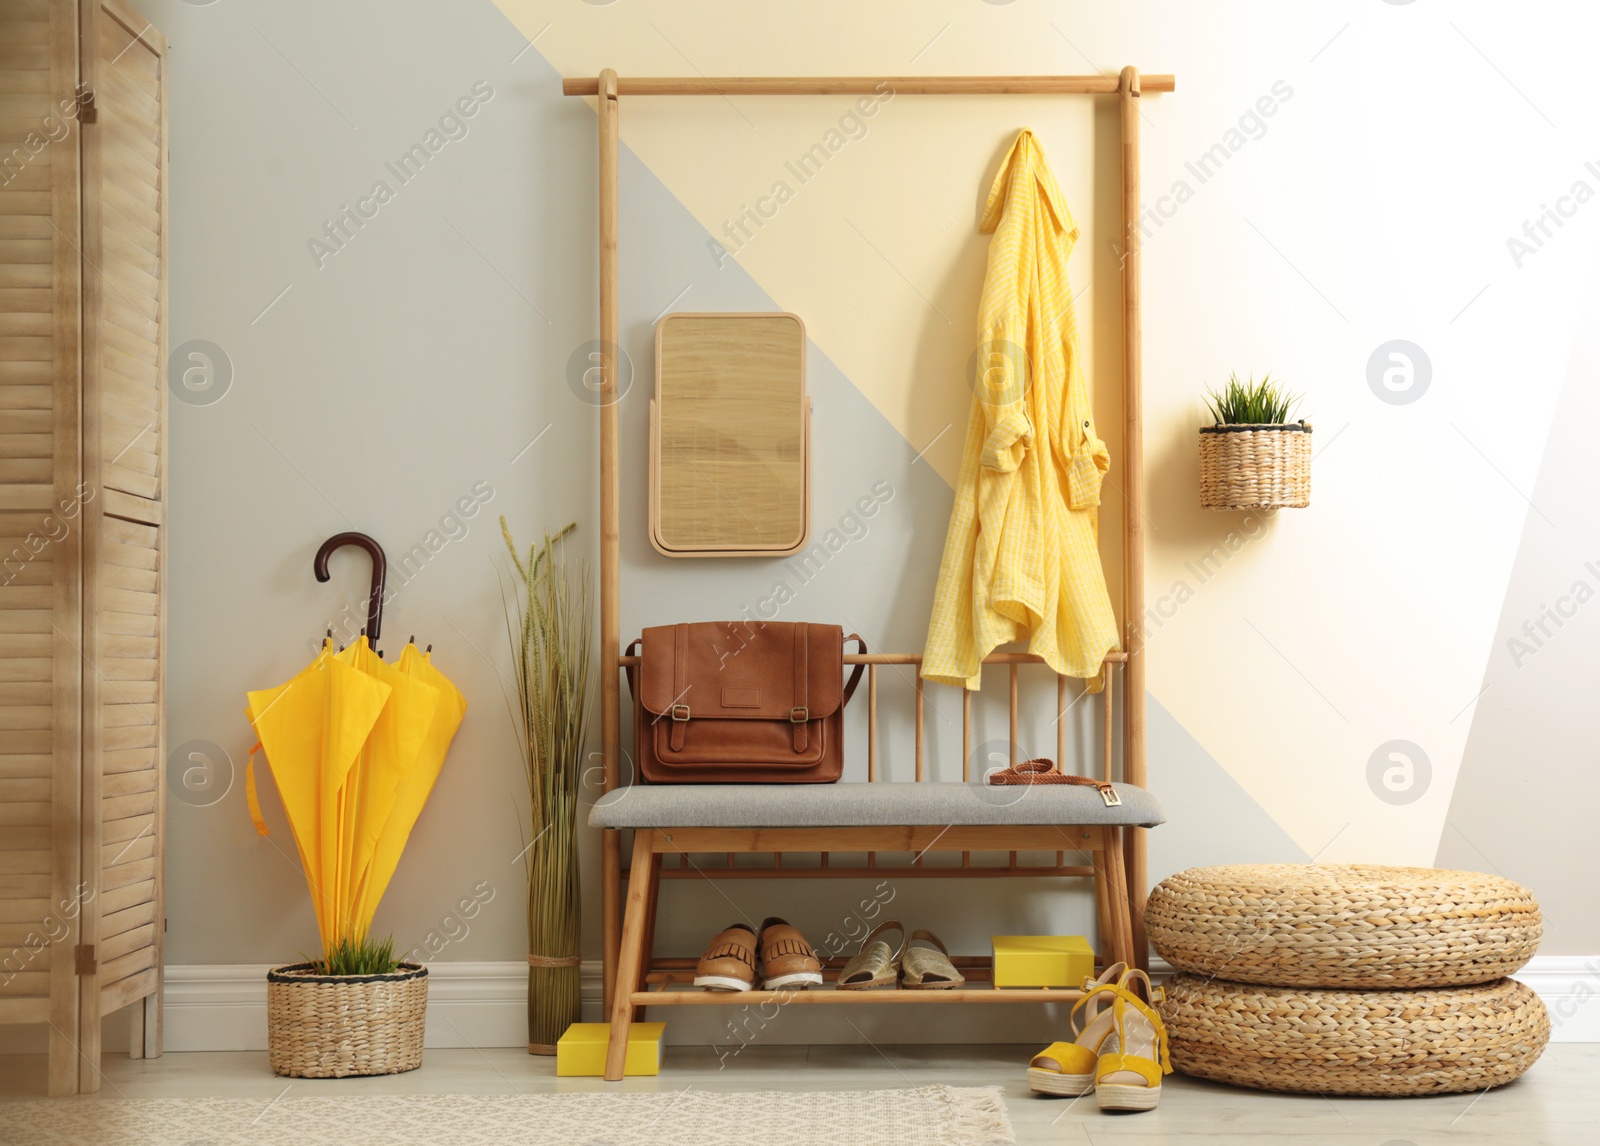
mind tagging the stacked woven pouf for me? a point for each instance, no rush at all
(1336, 979)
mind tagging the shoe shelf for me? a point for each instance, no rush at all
(669, 985)
(695, 997)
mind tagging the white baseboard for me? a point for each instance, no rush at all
(485, 1005)
(224, 1008)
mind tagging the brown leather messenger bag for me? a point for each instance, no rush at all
(734, 702)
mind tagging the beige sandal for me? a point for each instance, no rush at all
(877, 964)
(928, 968)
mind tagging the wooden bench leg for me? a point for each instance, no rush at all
(1102, 914)
(630, 955)
(610, 914)
(647, 944)
(1110, 857)
(1135, 850)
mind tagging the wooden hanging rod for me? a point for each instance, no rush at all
(866, 85)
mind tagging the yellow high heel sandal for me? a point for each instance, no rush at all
(1067, 1069)
(1128, 1075)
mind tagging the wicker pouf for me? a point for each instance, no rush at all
(1326, 925)
(1307, 1040)
(338, 1026)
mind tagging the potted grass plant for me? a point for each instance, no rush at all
(550, 625)
(1252, 457)
(358, 1010)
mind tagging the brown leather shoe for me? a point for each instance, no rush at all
(729, 963)
(787, 960)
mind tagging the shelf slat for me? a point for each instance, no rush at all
(885, 996)
(921, 871)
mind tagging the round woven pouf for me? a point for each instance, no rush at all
(1308, 1040)
(1332, 925)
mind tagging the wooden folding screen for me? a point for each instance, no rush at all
(83, 154)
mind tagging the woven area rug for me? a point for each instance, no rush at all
(926, 1116)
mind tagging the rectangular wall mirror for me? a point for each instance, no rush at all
(730, 436)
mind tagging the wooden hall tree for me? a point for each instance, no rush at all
(83, 186)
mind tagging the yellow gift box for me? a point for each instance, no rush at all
(582, 1050)
(1042, 960)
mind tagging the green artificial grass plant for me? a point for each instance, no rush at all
(364, 956)
(1263, 403)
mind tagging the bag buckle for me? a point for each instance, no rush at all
(680, 713)
(799, 714)
(1109, 795)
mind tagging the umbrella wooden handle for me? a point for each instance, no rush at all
(380, 570)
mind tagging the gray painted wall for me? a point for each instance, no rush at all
(1531, 772)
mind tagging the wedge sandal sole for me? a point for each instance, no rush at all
(1112, 1097)
(1060, 1085)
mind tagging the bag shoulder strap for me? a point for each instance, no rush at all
(855, 677)
(632, 671)
(680, 686)
(800, 701)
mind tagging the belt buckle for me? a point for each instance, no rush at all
(1109, 795)
(799, 714)
(680, 708)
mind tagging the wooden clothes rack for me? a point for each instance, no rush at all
(637, 967)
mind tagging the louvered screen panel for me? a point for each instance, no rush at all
(40, 523)
(129, 652)
(124, 425)
(131, 171)
(27, 757)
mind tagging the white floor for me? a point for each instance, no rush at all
(1558, 1102)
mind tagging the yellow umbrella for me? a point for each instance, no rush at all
(416, 783)
(359, 804)
(1021, 558)
(312, 727)
(355, 746)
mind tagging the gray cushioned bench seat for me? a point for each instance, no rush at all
(866, 805)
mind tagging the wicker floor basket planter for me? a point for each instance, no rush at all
(1343, 925)
(339, 1026)
(1380, 1043)
(1255, 466)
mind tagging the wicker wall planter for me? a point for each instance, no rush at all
(1383, 1043)
(338, 1026)
(1339, 925)
(1255, 466)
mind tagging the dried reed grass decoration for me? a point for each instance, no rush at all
(550, 625)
